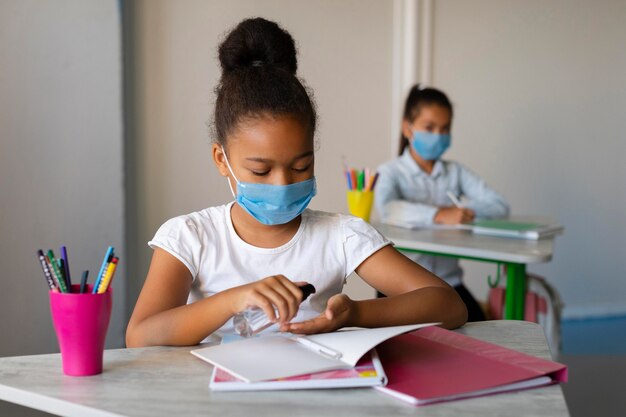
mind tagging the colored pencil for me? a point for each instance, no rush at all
(83, 282)
(108, 276)
(66, 267)
(46, 271)
(107, 258)
(56, 272)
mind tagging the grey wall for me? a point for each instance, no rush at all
(540, 93)
(60, 157)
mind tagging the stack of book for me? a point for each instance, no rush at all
(420, 364)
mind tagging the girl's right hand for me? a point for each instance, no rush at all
(274, 291)
(454, 215)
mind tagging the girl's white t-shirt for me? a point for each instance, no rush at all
(326, 249)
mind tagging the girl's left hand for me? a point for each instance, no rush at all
(337, 315)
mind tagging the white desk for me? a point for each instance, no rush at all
(164, 381)
(463, 244)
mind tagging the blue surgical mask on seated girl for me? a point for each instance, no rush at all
(430, 146)
(273, 204)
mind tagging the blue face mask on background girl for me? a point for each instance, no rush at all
(430, 146)
(273, 204)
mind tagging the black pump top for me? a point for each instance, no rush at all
(307, 289)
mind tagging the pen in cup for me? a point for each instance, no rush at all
(66, 267)
(83, 282)
(46, 271)
(108, 257)
(56, 272)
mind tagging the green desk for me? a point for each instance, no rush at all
(463, 244)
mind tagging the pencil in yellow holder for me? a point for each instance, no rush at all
(360, 203)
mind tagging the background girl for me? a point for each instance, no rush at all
(413, 189)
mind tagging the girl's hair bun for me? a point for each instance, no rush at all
(259, 64)
(258, 42)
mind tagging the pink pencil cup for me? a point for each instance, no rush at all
(81, 322)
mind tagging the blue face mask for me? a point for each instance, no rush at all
(430, 146)
(273, 204)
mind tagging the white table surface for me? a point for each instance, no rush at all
(166, 381)
(464, 243)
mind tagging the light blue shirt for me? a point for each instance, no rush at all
(406, 195)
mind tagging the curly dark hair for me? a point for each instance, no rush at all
(259, 64)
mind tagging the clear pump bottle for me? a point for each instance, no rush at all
(253, 320)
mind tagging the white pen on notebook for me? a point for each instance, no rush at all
(319, 348)
(454, 199)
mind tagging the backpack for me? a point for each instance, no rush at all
(543, 305)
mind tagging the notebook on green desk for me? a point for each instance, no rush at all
(516, 229)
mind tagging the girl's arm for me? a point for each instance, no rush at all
(396, 210)
(163, 317)
(414, 295)
(484, 201)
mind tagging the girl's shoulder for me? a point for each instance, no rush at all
(448, 163)
(456, 168)
(337, 223)
(327, 218)
(319, 218)
(211, 218)
(394, 164)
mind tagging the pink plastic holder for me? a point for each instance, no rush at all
(81, 322)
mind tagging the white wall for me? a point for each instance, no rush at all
(345, 56)
(540, 94)
(61, 167)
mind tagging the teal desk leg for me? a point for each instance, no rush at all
(515, 291)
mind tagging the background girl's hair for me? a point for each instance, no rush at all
(419, 97)
(258, 60)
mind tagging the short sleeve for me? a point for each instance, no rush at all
(179, 237)
(360, 241)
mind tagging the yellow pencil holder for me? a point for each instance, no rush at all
(360, 203)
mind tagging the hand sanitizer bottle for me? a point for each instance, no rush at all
(253, 319)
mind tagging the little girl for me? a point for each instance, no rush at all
(414, 189)
(257, 250)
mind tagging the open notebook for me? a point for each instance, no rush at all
(280, 355)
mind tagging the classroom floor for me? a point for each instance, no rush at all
(594, 350)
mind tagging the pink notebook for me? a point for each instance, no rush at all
(435, 365)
